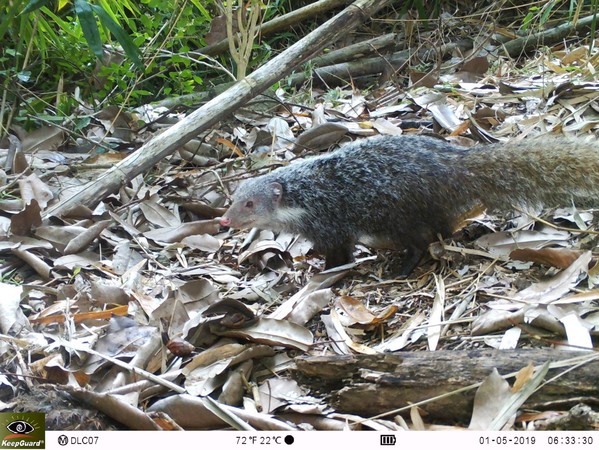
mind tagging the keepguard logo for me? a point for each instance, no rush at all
(22, 430)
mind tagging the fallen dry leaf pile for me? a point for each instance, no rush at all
(146, 309)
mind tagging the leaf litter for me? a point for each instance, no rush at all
(145, 308)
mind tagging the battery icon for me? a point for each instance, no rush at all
(388, 439)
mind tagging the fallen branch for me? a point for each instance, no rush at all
(277, 24)
(380, 384)
(359, 50)
(548, 37)
(341, 73)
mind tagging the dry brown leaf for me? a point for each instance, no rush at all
(445, 116)
(309, 306)
(104, 293)
(204, 242)
(542, 415)
(51, 369)
(577, 329)
(355, 310)
(386, 127)
(212, 355)
(113, 406)
(433, 331)
(46, 138)
(322, 280)
(278, 392)
(235, 386)
(336, 331)
(158, 215)
(401, 337)
(81, 260)
(494, 320)
(176, 234)
(336, 334)
(503, 243)
(35, 262)
(359, 316)
(575, 55)
(205, 379)
(273, 332)
(10, 313)
(82, 241)
(19, 164)
(32, 187)
(320, 137)
(488, 401)
(554, 257)
(199, 153)
(123, 339)
(23, 222)
(234, 313)
(461, 128)
(124, 257)
(106, 314)
(192, 413)
(523, 376)
(417, 422)
(260, 246)
(427, 79)
(59, 236)
(548, 291)
(510, 339)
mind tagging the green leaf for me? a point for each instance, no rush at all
(24, 76)
(7, 20)
(421, 9)
(202, 10)
(547, 12)
(131, 50)
(34, 4)
(89, 26)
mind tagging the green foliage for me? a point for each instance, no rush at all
(96, 46)
(595, 12)
(539, 15)
(88, 15)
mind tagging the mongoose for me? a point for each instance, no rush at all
(404, 191)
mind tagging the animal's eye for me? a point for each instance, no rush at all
(249, 204)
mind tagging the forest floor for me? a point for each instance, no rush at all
(147, 309)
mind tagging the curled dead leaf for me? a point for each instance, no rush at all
(554, 257)
(30, 217)
(358, 315)
(320, 137)
(180, 347)
(176, 234)
(32, 187)
(272, 332)
(236, 314)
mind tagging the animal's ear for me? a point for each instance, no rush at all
(276, 190)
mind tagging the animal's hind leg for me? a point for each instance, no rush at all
(338, 256)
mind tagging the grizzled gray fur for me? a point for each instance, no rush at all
(404, 191)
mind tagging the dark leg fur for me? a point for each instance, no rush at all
(411, 259)
(338, 256)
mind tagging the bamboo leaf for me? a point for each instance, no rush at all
(131, 50)
(33, 5)
(89, 26)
